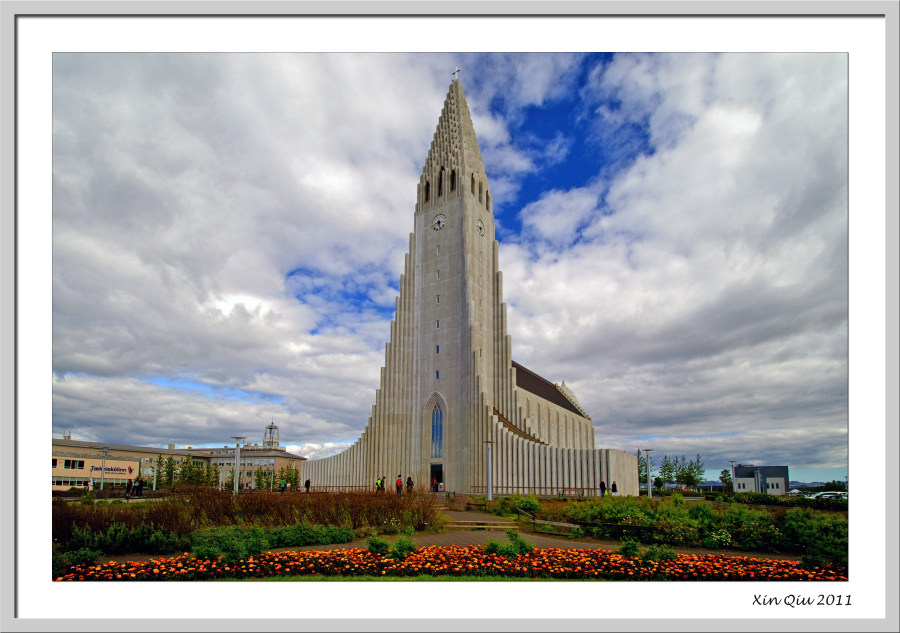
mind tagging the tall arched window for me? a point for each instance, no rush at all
(427, 190)
(437, 431)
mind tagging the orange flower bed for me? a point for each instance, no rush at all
(551, 563)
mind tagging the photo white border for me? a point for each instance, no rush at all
(864, 39)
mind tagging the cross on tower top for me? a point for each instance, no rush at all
(455, 74)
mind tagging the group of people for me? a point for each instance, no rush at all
(136, 487)
(613, 489)
(382, 481)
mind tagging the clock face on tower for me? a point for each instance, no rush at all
(438, 222)
(480, 226)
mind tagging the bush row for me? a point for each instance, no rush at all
(197, 508)
(820, 537)
(762, 499)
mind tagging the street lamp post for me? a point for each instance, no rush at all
(649, 485)
(732, 476)
(489, 482)
(103, 466)
(237, 456)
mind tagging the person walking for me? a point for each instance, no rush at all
(307, 486)
(399, 485)
(602, 488)
(614, 490)
(283, 485)
(378, 485)
(434, 484)
(128, 487)
(409, 485)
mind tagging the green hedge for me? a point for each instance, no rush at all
(763, 499)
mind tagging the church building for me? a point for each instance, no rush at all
(449, 385)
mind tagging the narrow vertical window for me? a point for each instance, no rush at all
(473, 183)
(480, 191)
(452, 180)
(427, 190)
(437, 375)
(437, 349)
(487, 200)
(441, 182)
(438, 297)
(439, 249)
(437, 431)
(437, 324)
(438, 274)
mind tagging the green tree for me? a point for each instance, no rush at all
(680, 466)
(696, 472)
(262, 479)
(211, 474)
(168, 472)
(293, 478)
(159, 480)
(667, 470)
(642, 467)
(658, 483)
(725, 478)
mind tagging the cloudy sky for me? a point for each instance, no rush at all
(229, 231)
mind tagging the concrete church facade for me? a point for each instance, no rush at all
(449, 384)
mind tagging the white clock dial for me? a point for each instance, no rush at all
(480, 227)
(438, 222)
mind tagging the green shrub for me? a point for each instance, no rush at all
(58, 562)
(629, 547)
(516, 546)
(658, 553)
(718, 539)
(402, 548)
(407, 530)
(84, 556)
(205, 552)
(678, 499)
(87, 499)
(378, 545)
(703, 514)
(822, 537)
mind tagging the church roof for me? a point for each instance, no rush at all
(543, 388)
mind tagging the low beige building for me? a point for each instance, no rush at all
(79, 464)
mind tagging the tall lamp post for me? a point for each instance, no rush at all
(732, 476)
(103, 465)
(237, 456)
(489, 482)
(649, 485)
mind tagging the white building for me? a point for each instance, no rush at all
(449, 384)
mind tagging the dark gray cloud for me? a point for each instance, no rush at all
(238, 223)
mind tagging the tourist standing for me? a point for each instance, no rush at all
(128, 487)
(409, 485)
(602, 488)
(283, 485)
(399, 485)
(614, 490)
(307, 486)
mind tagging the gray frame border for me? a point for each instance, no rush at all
(10, 10)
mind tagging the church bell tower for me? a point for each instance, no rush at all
(454, 235)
